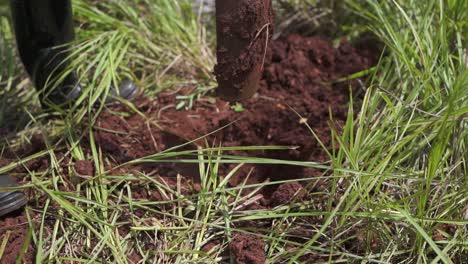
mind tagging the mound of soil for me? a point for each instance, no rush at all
(297, 75)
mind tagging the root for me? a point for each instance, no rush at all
(266, 28)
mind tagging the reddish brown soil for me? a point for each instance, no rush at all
(247, 249)
(84, 168)
(244, 28)
(295, 73)
(287, 193)
(15, 226)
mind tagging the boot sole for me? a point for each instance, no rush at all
(13, 202)
(10, 201)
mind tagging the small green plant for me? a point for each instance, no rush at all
(238, 108)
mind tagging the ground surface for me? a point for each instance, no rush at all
(294, 78)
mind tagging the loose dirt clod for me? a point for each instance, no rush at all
(286, 193)
(84, 168)
(247, 249)
(244, 28)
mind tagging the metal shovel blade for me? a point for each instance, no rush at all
(244, 28)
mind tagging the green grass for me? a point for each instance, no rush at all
(397, 176)
(161, 42)
(13, 95)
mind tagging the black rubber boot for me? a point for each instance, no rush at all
(43, 29)
(10, 201)
(127, 90)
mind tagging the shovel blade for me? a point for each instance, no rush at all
(244, 28)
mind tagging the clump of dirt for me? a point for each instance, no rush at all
(247, 249)
(287, 193)
(211, 245)
(84, 168)
(244, 28)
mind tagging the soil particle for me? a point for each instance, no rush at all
(211, 245)
(244, 28)
(366, 239)
(286, 193)
(134, 258)
(84, 168)
(445, 231)
(247, 249)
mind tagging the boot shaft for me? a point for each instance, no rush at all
(42, 29)
(39, 25)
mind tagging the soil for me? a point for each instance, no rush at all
(286, 193)
(84, 168)
(15, 227)
(247, 249)
(297, 75)
(244, 29)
